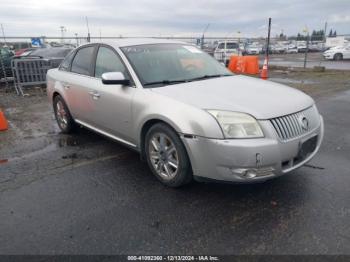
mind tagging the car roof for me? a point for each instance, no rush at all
(137, 41)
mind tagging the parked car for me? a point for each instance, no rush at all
(337, 53)
(253, 50)
(314, 48)
(278, 49)
(292, 50)
(224, 51)
(6, 56)
(54, 54)
(302, 48)
(184, 112)
(24, 50)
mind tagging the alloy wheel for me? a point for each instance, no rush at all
(163, 156)
(61, 115)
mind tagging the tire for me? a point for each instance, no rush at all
(338, 57)
(63, 117)
(167, 156)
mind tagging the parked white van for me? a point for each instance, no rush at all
(224, 50)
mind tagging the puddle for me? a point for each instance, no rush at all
(291, 81)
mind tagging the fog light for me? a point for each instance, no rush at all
(253, 173)
(249, 174)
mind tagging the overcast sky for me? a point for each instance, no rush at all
(166, 17)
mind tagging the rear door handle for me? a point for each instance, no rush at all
(66, 86)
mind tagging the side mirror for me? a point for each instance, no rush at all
(115, 78)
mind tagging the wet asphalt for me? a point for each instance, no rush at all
(84, 194)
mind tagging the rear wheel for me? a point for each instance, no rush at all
(338, 56)
(63, 116)
(166, 156)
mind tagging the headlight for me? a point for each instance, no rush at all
(237, 125)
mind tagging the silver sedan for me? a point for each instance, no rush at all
(185, 113)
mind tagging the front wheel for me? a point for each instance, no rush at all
(63, 116)
(338, 57)
(166, 156)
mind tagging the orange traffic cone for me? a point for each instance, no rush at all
(264, 72)
(3, 122)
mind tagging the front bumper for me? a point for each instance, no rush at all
(236, 160)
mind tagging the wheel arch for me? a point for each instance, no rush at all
(54, 94)
(146, 126)
(338, 54)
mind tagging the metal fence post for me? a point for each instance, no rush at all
(4, 72)
(307, 49)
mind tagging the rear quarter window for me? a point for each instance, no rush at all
(65, 65)
(82, 61)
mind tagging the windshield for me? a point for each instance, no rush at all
(162, 64)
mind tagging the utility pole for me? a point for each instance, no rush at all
(100, 34)
(3, 34)
(87, 25)
(239, 41)
(325, 32)
(268, 41)
(205, 29)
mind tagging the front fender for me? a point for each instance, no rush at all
(183, 118)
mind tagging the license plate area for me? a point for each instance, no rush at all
(306, 148)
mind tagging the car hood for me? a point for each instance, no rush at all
(260, 98)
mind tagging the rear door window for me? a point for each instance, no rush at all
(82, 61)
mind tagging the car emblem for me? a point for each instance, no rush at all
(304, 123)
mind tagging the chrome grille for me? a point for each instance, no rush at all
(291, 126)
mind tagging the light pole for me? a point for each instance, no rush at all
(63, 29)
(205, 30)
(76, 38)
(87, 25)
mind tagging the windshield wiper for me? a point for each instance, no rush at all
(208, 76)
(165, 82)
(172, 82)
